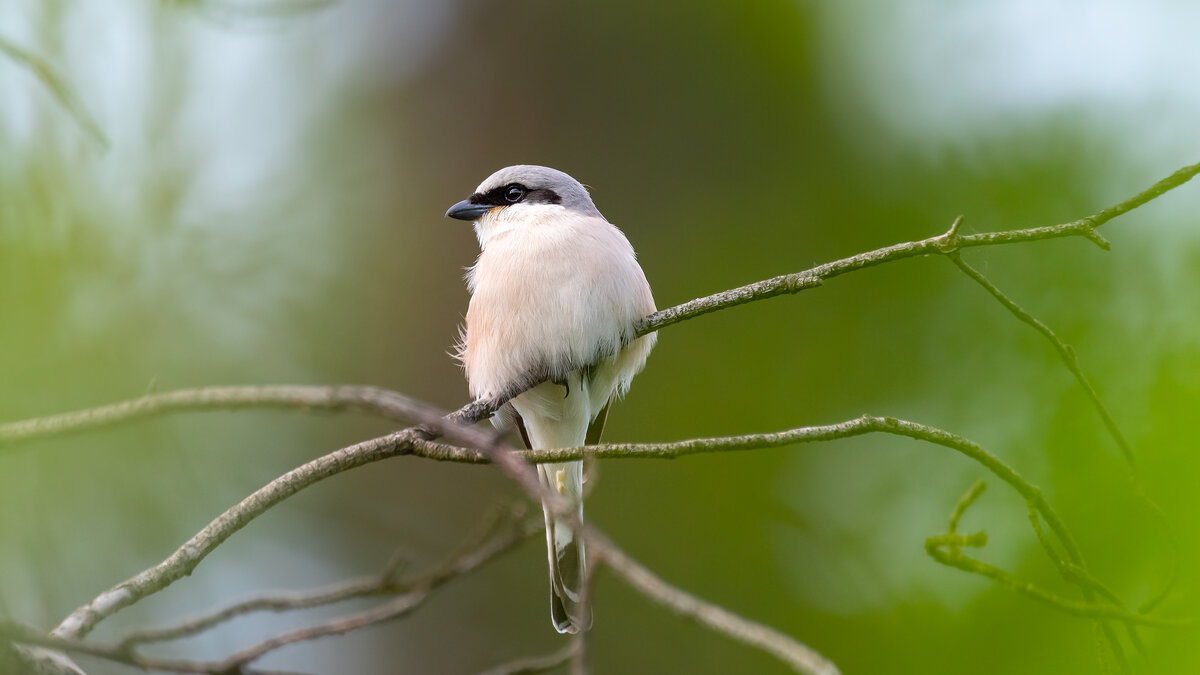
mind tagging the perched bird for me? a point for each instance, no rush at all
(555, 294)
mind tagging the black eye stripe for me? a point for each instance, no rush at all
(543, 196)
(499, 196)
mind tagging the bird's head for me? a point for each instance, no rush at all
(524, 191)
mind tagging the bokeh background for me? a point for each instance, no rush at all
(268, 209)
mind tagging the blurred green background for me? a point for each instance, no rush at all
(269, 210)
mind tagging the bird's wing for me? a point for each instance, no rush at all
(596, 428)
(521, 428)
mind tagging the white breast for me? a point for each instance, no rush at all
(552, 292)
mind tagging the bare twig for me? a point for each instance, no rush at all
(386, 582)
(938, 548)
(27, 635)
(186, 557)
(946, 549)
(411, 594)
(375, 400)
(799, 281)
(536, 664)
(57, 87)
(801, 658)
(1065, 352)
(402, 605)
(1071, 361)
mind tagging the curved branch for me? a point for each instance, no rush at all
(375, 400)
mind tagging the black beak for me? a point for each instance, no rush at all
(465, 210)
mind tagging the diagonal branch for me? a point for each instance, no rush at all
(374, 400)
(400, 606)
(1071, 361)
(1065, 352)
(185, 559)
(482, 547)
(947, 550)
(799, 281)
(801, 658)
(386, 582)
(57, 87)
(536, 664)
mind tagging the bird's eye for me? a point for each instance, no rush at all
(514, 193)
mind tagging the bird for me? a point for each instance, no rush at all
(555, 295)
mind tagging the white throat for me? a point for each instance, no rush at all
(504, 219)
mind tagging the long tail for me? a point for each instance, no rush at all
(568, 560)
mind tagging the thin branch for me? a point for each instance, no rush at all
(801, 658)
(35, 660)
(937, 549)
(28, 635)
(401, 606)
(944, 243)
(1068, 571)
(970, 497)
(1071, 361)
(185, 559)
(57, 87)
(374, 400)
(1065, 352)
(468, 557)
(373, 585)
(855, 427)
(385, 582)
(536, 664)
(405, 442)
(946, 549)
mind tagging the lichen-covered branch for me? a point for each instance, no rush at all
(794, 283)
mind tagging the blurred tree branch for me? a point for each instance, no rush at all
(57, 86)
(947, 550)
(498, 533)
(536, 664)
(477, 445)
